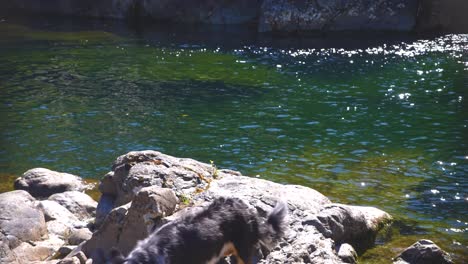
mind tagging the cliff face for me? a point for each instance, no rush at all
(443, 15)
(269, 15)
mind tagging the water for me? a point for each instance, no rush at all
(368, 120)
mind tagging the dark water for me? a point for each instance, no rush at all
(368, 120)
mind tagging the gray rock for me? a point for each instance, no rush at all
(423, 252)
(26, 252)
(298, 15)
(78, 203)
(6, 255)
(146, 210)
(356, 225)
(40, 182)
(309, 239)
(20, 218)
(347, 253)
(77, 236)
(71, 260)
(63, 251)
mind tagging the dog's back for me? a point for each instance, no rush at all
(227, 226)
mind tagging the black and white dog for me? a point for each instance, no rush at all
(228, 226)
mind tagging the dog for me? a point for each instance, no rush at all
(228, 226)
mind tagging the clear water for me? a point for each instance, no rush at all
(368, 120)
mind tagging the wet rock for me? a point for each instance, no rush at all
(356, 225)
(40, 182)
(297, 15)
(78, 203)
(347, 253)
(20, 218)
(423, 252)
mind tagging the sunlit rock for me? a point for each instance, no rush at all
(40, 182)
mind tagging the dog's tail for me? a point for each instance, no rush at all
(275, 226)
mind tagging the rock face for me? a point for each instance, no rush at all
(423, 252)
(40, 182)
(297, 15)
(146, 189)
(269, 15)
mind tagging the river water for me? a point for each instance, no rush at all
(376, 120)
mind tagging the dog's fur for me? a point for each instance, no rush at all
(228, 226)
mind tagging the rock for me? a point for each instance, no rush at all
(20, 218)
(54, 211)
(298, 15)
(423, 252)
(201, 11)
(40, 182)
(316, 225)
(347, 253)
(6, 255)
(26, 252)
(78, 203)
(355, 225)
(63, 251)
(79, 235)
(146, 210)
(72, 260)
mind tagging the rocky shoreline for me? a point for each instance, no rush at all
(268, 15)
(49, 218)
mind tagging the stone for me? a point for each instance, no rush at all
(423, 252)
(27, 252)
(40, 182)
(78, 203)
(347, 253)
(20, 218)
(356, 225)
(333, 15)
(153, 188)
(72, 260)
(146, 210)
(64, 250)
(77, 236)
(6, 255)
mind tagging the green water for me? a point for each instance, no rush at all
(365, 120)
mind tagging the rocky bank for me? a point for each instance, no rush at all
(146, 189)
(268, 15)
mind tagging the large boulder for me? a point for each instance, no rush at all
(20, 218)
(146, 189)
(423, 252)
(330, 15)
(78, 203)
(40, 182)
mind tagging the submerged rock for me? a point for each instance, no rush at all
(316, 226)
(423, 252)
(40, 182)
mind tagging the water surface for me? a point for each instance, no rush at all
(368, 120)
